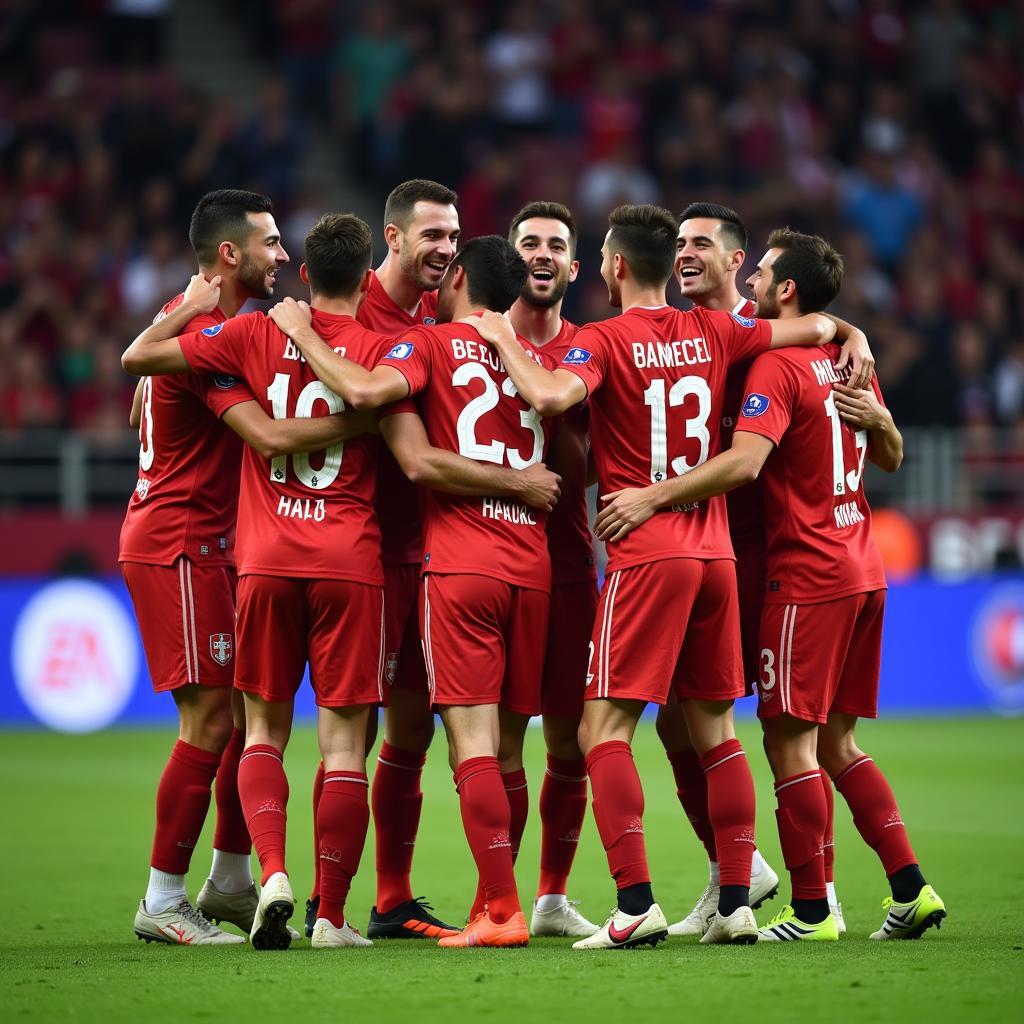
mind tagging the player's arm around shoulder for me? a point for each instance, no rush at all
(272, 438)
(157, 349)
(443, 470)
(359, 387)
(547, 392)
(864, 409)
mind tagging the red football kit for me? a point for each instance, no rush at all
(308, 540)
(486, 567)
(398, 512)
(746, 522)
(573, 574)
(177, 542)
(655, 380)
(825, 580)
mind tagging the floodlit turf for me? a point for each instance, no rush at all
(75, 834)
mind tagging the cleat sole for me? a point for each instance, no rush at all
(273, 933)
(651, 940)
(934, 918)
(770, 895)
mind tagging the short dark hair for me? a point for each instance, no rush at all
(398, 209)
(339, 250)
(221, 216)
(495, 272)
(732, 227)
(811, 263)
(551, 211)
(645, 236)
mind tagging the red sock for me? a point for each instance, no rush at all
(231, 835)
(731, 810)
(563, 804)
(692, 790)
(618, 800)
(263, 788)
(486, 819)
(318, 791)
(802, 816)
(182, 800)
(397, 800)
(341, 820)
(518, 795)
(865, 789)
(829, 846)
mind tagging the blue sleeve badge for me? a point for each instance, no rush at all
(213, 331)
(402, 350)
(755, 405)
(223, 381)
(576, 357)
(743, 321)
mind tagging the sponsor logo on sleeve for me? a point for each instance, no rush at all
(755, 405)
(402, 350)
(212, 332)
(223, 381)
(743, 321)
(576, 357)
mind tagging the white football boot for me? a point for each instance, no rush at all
(624, 931)
(181, 926)
(270, 922)
(563, 920)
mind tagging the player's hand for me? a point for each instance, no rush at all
(857, 353)
(493, 327)
(626, 510)
(201, 294)
(860, 408)
(540, 487)
(290, 316)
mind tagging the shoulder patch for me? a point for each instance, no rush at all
(213, 330)
(402, 350)
(576, 357)
(743, 321)
(755, 405)
(223, 381)
(429, 321)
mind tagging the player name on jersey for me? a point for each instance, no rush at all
(665, 354)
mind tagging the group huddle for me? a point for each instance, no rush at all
(407, 457)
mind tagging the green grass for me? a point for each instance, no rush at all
(76, 827)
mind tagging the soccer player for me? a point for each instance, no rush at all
(177, 557)
(544, 234)
(311, 586)
(807, 431)
(668, 616)
(710, 250)
(486, 571)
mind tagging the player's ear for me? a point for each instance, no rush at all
(393, 236)
(787, 290)
(620, 267)
(458, 277)
(736, 260)
(229, 253)
(303, 273)
(574, 269)
(364, 285)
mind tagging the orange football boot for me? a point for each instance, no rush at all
(482, 931)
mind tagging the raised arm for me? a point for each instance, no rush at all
(631, 507)
(442, 470)
(549, 393)
(272, 438)
(361, 388)
(156, 349)
(861, 409)
(855, 351)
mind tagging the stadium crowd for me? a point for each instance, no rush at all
(894, 129)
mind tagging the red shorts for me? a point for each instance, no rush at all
(820, 658)
(570, 624)
(186, 616)
(403, 658)
(335, 625)
(483, 641)
(751, 573)
(667, 626)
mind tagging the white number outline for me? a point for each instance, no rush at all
(696, 426)
(315, 390)
(841, 480)
(147, 453)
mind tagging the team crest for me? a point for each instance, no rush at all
(224, 382)
(402, 350)
(743, 321)
(755, 405)
(429, 321)
(391, 668)
(213, 331)
(221, 647)
(576, 357)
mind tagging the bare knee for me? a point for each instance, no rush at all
(561, 737)
(672, 729)
(409, 722)
(835, 752)
(205, 719)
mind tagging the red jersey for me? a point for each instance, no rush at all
(746, 515)
(186, 498)
(569, 542)
(469, 405)
(308, 516)
(817, 519)
(398, 500)
(656, 379)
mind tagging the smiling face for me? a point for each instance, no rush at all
(608, 273)
(546, 246)
(262, 255)
(703, 260)
(762, 283)
(427, 245)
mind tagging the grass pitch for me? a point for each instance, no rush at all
(75, 843)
